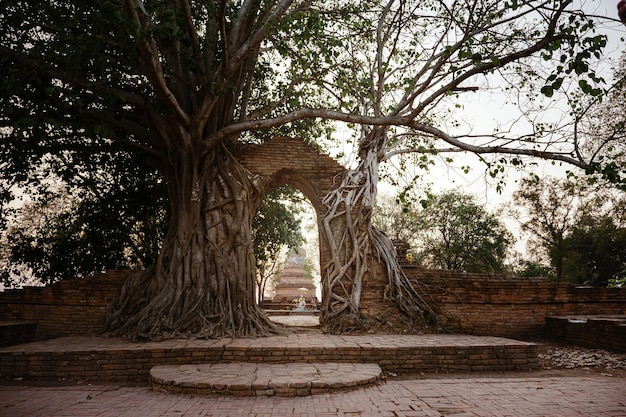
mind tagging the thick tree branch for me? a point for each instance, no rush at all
(391, 121)
(254, 40)
(150, 54)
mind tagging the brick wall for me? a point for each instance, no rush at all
(293, 162)
(593, 332)
(373, 302)
(510, 307)
(467, 303)
(17, 333)
(65, 308)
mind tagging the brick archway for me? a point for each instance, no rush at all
(293, 162)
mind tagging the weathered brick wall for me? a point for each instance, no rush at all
(65, 308)
(467, 303)
(16, 333)
(593, 332)
(293, 162)
(373, 301)
(511, 307)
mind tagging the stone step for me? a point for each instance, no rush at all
(258, 379)
(17, 332)
(115, 359)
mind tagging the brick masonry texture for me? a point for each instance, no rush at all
(260, 379)
(595, 331)
(110, 359)
(467, 303)
(292, 162)
(515, 396)
(510, 307)
(65, 308)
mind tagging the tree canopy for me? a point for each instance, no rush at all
(459, 234)
(449, 231)
(595, 252)
(87, 80)
(576, 228)
(397, 220)
(184, 86)
(550, 214)
(112, 219)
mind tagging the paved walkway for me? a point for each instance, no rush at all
(297, 320)
(512, 395)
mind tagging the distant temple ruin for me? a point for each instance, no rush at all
(294, 283)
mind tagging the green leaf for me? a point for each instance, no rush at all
(547, 90)
(584, 85)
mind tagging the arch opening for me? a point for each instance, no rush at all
(288, 280)
(295, 163)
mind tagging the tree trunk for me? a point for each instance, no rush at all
(346, 231)
(204, 282)
(353, 243)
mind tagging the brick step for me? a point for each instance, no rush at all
(253, 379)
(16, 332)
(600, 331)
(288, 312)
(101, 358)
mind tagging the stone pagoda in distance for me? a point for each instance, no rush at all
(294, 283)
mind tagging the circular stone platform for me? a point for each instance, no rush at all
(256, 379)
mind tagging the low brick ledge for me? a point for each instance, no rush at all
(16, 332)
(250, 379)
(285, 312)
(599, 331)
(110, 359)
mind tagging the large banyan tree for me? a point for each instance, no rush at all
(185, 84)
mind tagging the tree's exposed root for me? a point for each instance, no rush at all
(402, 289)
(353, 243)
(134, 317)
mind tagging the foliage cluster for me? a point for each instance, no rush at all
(101, 219)
(449, 231)
(577, 231)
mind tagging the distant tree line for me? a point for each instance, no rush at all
(575, 232)
(447, 231)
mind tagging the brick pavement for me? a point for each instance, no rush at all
(507, 395)
(249, 379)
(510, 394)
